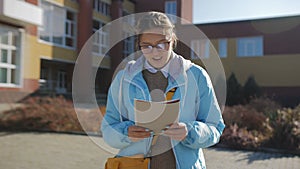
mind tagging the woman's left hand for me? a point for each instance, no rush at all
(177, 131)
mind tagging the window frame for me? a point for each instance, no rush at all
(171, 10)
(72, 25)
(13, 60)
(129, 42)
(197, 45)
(101, 36)
(223, 47)
(101, 7)
(250, 46)
(61, 82)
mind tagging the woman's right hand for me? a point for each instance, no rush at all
(137, 133)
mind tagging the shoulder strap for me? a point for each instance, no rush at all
(170, 93)
(169, 96)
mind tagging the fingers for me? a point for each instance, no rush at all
(176, 131)
(137, 133)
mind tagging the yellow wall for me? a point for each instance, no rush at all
(34, 50)
(65, 3)
(103, 61)
(101, 17)
(71, 4)
(272, 70)
(31, 63)
(129, 6)
(268, 70)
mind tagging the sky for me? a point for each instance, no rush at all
(212, 11)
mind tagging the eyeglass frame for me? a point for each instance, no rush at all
(150, 47)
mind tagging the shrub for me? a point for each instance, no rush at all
(245, 127)
(49, 114)
(264, 104)
(286, 129)
(245, 117)
(240, 138)
(262, 122)
(251, 89)
(238, 94)
(234, 91)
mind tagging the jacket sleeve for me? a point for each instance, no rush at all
(209, 124)
(114, 129)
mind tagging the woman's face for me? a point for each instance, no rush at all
(156, 47)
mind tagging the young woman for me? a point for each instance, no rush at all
(157, 71)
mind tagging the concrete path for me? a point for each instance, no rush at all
(9, 106)
(64, 151)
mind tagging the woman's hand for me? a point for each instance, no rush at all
(177, 131)
(137, 133)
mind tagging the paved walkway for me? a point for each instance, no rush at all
(64, 151)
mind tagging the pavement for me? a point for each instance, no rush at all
(9, 106)
(69, 151)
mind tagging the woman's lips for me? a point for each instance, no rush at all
(157, 59)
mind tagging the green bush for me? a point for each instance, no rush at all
(238, 94)
(234, 91)
(251, 89)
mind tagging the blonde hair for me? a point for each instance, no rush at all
(151, 20)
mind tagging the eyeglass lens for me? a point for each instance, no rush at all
(149, 48)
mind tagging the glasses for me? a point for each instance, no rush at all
(162, 46)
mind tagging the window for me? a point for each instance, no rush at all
(59, 25)
(129, 42)
(102, 7)
(171, 9)
(200, 47)
(250, 46)
(10, 40)
(101, 39)
(223, 48)
(61, 86)
(46, 82)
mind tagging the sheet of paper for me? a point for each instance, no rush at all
(156, 115)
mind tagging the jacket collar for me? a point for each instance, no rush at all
(177, 65)
(164, 70)
(177, 69)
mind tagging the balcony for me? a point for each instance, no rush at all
(21, 11)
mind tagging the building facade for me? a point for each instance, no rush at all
(266, 49)
(40, 43)
(18, 32)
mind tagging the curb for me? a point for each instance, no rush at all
(261, 149)
(94, 134)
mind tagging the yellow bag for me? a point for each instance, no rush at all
(127, 163)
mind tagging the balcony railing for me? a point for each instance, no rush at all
(50, 87)
(21, 11)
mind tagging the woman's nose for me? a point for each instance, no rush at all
(155, 51)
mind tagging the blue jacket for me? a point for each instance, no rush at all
(199, 110)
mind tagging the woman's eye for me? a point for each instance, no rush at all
(147, 47)
(160, 46)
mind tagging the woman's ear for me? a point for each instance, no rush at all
(174, 43)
